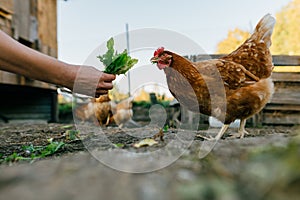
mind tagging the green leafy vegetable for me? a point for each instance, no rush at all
(116, 63)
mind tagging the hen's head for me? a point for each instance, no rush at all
(161, 58)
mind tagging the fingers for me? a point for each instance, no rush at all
(104, 84)
(108, 77)
(92, 82)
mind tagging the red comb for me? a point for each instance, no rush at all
(159, 51)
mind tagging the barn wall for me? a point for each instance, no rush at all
(34, 24)
(23, 102)
(47, 34)
(6, 9)
(6, 4)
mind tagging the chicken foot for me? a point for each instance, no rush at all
(241, 132)
(218, 136)
(222, 131)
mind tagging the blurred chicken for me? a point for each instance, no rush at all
(122, 111)
(97, 109)
(103, 111)
(235, 86)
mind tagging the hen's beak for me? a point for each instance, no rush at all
(154, 59)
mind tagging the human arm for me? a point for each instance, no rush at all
(19, 59)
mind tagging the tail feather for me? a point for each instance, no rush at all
(264, 29)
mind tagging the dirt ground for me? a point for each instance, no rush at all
(263, 165)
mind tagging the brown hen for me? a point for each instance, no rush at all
(122, 111)
(98, 110)
(235, 86)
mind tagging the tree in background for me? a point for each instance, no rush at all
(286, 36)
(234, 39)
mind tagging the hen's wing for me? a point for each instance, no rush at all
(232, 74)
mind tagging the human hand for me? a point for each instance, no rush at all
(104, 84)
(92, 82)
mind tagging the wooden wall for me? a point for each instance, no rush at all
(34, 24)
(7, 4)
(6, 14)
(284, 108)
(23, 103)
(47, 29)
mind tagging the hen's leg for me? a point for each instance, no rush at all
(222, 131)
(241, 132)
(219, 135)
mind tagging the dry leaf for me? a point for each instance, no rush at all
(145, 142)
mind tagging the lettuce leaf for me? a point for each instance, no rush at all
(116, 63)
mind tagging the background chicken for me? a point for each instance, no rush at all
(244, 76)
(97, 108)
(122, 111)
(103, 111)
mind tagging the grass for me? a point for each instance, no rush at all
(65, 108)
(32, 153)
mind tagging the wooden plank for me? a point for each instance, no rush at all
(285, 60)
(6, 17)
(7, 5)
(280, 118)
(47, 29)
(284, 99)
(22, 19)
(8, 78)
(287, 89)
(5, 14)
(281, 107)
(278, 60)
(286, 77)
(286, 96)
(14, 79)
